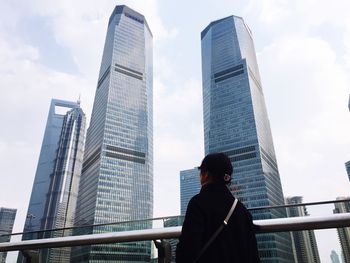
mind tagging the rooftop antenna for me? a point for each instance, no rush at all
(78, 100)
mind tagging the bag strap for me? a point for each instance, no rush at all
(217, 232)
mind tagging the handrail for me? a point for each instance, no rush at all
(299, 204)
(262, 226)
(147, 220)
(302, 223)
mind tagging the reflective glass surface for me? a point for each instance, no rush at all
(236, 122)
(117, 178)
(189, 186)
(54, 194)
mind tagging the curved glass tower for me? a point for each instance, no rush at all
(55, 189)
(236, 122)
(117, 177)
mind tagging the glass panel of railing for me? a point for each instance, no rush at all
(171, 222)
(141, 251)
(5, 236)
(8, 257)
(308, 245)
(331, 241)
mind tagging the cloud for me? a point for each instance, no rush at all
(304, 73)
(304, 64)
(307, 89)
(90, 21)
(178, 140)
(78, 26)
(176, 104)
(347, 45)
(27, 87)
(274, 11)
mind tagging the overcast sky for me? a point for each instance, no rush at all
(53, 49)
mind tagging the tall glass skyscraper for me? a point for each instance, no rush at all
(304, 242)
(236, 122)
(7, 219)
(117, 178)
(55, 189)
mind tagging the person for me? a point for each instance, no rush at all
(206, 211)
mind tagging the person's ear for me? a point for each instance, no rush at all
(204, 177)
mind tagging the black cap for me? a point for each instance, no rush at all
(218, 165)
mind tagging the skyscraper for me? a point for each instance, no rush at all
(343, 233)
(347, 167)
(334, 257)
(117, 178)
(7, 219)
(189, 186)
(55, 189)
(236, 123)
(304, 242)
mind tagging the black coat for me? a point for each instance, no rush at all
(205, 212)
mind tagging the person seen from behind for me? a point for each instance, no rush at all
(232, 241)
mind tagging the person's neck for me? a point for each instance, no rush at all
(210, 182)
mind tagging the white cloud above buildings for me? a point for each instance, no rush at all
(307, 92)
(306, 87)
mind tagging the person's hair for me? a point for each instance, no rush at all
(218, 166)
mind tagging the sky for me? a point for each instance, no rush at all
(53, 49)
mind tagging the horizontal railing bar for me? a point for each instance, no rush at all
(96, 225)
(262, 226)
(302, 223)
(92, 239)
(298, 204)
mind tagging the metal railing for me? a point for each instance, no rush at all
(251, 209)
(343, 200)
(164, 249)
(262, 226)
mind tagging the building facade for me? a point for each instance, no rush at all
(334, 257)
(236, 123)
(54, 194)
(189, 186)
(117, 177)
(347, 167)
(7, 219)
(304, 242)
(343, 233)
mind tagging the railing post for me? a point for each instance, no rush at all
(26, 256)
(164, 251)
(30, 256)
